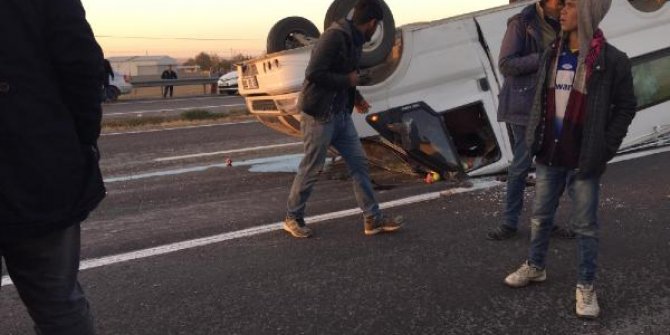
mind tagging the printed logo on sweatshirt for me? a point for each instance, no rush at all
(565, 77)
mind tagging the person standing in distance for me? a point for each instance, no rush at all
(168, 74)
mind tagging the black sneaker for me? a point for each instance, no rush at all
(375, 226)
(297, 228)
(500, 233)
(563, 233)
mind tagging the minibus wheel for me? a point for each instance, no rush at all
(375, 51)
(290, 33)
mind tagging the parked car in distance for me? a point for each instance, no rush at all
(118, 85)
(228, 83)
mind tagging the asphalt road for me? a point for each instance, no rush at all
(437, 276)
(217, 104)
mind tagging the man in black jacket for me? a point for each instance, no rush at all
(328, 97)
(168, 74)
(50, 113)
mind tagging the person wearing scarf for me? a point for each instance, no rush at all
(582, 108)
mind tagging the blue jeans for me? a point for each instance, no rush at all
(516, 177)
(44, 270)
(584, 194)
(318, 137)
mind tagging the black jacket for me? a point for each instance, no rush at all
(169, 74)
(51, 74)
(333, 58)
(610, 108)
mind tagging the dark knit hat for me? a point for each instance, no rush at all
(366, 10)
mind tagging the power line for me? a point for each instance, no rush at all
(177, 38)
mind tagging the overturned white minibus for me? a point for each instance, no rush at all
(442, 78)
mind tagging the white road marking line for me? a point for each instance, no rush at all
(178, 246)
(199, 242)
(178, 128)
(199, 168)
(148, 111)
(226, 152)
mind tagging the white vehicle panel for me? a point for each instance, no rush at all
(451, 63)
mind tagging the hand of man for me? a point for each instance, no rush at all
(353, 78)
(362, 107)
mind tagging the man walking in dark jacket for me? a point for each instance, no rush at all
(527, 36)
(581, 112)
(49, 176)
(329, 94)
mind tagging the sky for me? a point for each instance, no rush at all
(183, 28)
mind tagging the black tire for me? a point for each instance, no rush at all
(373, 54)
(280, 37)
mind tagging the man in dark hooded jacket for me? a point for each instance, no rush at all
(581, 112)
(49, 174)
(328, 97)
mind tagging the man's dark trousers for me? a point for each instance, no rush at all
(44, 270)
(166, 89)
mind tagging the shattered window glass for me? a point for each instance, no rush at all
(429, 137)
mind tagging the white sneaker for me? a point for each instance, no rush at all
(587, 301)
(525, 275)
